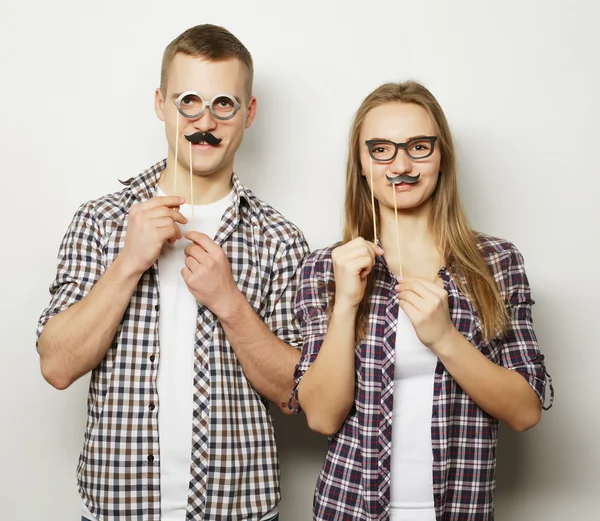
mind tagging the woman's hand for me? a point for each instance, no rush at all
(426, 305)
(352, 263)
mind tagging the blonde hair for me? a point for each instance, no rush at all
(211, 42)
(456, 240)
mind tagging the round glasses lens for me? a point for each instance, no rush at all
(190, 105)
(223, 106)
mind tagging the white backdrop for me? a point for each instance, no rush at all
(519, 82)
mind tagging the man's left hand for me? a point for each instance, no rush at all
(207, 273)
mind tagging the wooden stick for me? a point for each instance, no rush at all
(373, 203)
(176, 150)
(192, 187)
(397, 231)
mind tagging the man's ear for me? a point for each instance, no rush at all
(251, 114)
(159, 104)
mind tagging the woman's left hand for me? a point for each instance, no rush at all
(426, 305)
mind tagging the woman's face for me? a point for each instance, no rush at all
(400, 123)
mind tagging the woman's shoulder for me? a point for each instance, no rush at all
(494, 247)
(318, 263)
(501, 255)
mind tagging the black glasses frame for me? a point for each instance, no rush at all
(404, 146)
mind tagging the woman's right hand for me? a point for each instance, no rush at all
(352, 263)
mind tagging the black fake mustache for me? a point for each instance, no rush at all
(197, 137)
(403, 178)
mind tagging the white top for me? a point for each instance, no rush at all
(411, 491)
(175, 383)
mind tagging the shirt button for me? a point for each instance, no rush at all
(157, 307)
(151, 406)
(151, 458)
(152, 358)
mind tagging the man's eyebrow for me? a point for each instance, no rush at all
(177, 94)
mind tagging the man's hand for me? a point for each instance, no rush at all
(150, 225)
(207, 273)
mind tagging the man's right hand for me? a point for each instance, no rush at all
(352, 263)
(150, 225)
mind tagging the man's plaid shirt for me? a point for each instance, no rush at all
(354, 483)
(234, 464)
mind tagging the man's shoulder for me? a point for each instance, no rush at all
(272, 222)
(115, 206)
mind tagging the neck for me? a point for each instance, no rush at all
(419, 250)
(203, 189)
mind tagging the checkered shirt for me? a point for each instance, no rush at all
(234, 462)
(354, 483)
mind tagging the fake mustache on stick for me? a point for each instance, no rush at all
(403, 178)
(207, 137)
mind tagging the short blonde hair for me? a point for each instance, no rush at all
(212, 43)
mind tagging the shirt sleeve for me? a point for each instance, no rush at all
(79, 266)
(520, 350)
(282, 320)
(312, 302)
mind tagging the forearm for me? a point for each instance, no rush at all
(76, 340)
(502, 393)
(267, 361)
(326, 392)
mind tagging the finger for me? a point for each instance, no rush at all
(186, 274)
(168, 233)
(192, 264)
(413, 299)
(360, 264)
(419, 287)
(177, 235)
(377, 250)
(161, 222)
(170, 201)
(365, 273)
(369, 247)
(163, 211)
(204, 241)
(167, 222)
(195, 251)
(411, 312)
(358, 245)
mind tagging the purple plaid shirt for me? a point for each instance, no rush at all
(354, 482)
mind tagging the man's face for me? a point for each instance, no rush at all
(188, 73)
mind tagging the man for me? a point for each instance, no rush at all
(186, 337)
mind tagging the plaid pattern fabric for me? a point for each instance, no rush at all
(354, 482)
(234, 463)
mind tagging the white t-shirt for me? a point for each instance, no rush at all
(411, 491)
(175, 383)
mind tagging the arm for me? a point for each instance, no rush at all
(502, 393)
(265, 349)
(512, 391)
(267, 361)
(88, 303)
(76, 340)
(327, 389)
(326, 374)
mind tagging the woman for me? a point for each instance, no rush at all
(410, 374)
